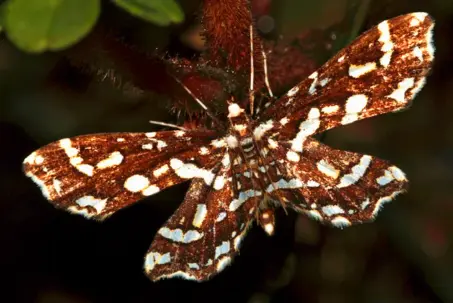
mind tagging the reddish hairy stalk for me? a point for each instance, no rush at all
(227, 26)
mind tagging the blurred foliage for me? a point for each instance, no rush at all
(2, 20)
(40, 25)
(160, 12)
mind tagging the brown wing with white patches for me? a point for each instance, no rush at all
(96, 175)
(205, 232)
(380, 72)
(336, 187)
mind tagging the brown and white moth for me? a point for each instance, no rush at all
(252, 162)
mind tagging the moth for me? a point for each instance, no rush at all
(251, 162)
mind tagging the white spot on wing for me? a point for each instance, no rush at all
(39, 160)
(161, 144)
(330, 210)
(330, 109)
(153, 258)
(200, 215)
(240, 127)
(177, 235)
(418, 53)
(71, 152)
(356, 71)
(98, 204)
(292, 156)
(420, 16)
(160, 171)
(414, 22)
(232, 141)
(66, 145)
(284, 121)
(387, 44)
(243, 196)
(397, 173)
(385, 59)
(221, 216)
(399, 93)
(136, 183)
(327, 169)
(312, 88)
(238, 240)
(204, 151)
(293, 91)
(190, 170)
(75, 161)
(57, 186)
(180, 133)
(312, 183)
(282, 184)
(151, 190)
(85, 169)
(219, 182)
(340, 222)
(357, 172)
(261, 129)
(385, 179)
(365, 203)
(147, 146)
(307, 128)
(354, 106)
(314, 214)
(222, 249)
(30, 159)
(272, 143)
(113, 159)
(193, 266)
(222, 263)
(226, 160)
(324, 82)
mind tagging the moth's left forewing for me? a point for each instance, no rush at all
(96, 175)
(381, 71)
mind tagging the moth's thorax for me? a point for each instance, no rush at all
(247, 151)
(240, 136)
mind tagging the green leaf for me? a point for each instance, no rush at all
(160, 12)
(2, 18)
(40, 25)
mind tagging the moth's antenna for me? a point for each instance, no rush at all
(266, 78)
(210, 114)
(168, 125)
(252, 72)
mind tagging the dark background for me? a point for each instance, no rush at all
(47, 255)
